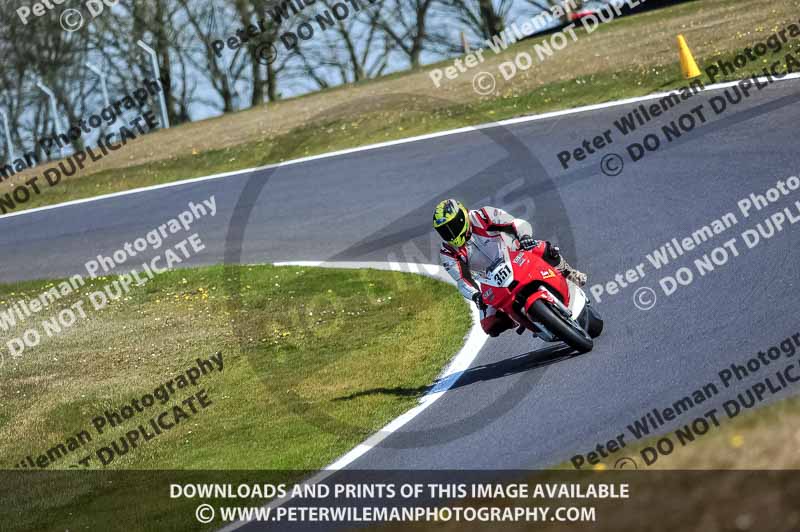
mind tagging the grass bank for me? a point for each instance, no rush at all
(766, 439)
(315, 360)
(628, 57)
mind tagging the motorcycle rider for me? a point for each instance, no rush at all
(457, 226)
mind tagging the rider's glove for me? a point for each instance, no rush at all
(527, 242)
(477, 298)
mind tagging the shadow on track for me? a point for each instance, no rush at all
(537, 358)
(510, 366)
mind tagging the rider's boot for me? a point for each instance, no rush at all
(577, 277)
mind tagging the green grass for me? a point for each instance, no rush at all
(760, 438)
(315, 360)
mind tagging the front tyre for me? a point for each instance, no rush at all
(566, 330)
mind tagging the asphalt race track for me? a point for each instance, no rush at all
(519, 405)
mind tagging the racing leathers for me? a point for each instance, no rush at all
(487, 225)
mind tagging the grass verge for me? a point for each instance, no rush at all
(315, 360)
(766, 439)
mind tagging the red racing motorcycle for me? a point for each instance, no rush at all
(539, 298)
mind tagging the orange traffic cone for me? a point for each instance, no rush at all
(688, 64)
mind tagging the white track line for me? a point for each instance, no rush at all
(472, 346)
(475, 340)
(510, 121)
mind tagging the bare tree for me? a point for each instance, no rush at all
(160, 24)
(33, 54)
(407, 25)
(342, 49)
(205, 60)
(270, 54)
(264, 61)
(481, 18)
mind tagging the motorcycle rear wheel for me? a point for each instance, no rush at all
(595, 323)
(568, 332)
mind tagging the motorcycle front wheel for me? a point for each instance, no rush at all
(566, 330)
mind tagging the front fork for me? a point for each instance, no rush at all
(525, 323)
(539, 329)
(553, 300)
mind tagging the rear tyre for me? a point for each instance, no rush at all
(595, 322)
(569, 332)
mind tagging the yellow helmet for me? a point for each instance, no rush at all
(451, 221)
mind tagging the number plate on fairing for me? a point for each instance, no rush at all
(501, 275)
(493, 267)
